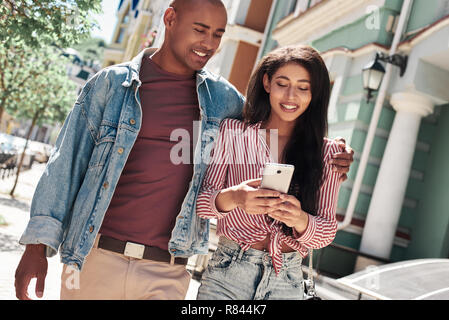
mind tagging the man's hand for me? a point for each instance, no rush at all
(341, 161)
(32, 265)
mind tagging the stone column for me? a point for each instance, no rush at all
(389, 191)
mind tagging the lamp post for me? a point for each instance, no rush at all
(374, 71)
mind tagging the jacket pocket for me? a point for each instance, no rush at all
(103, 145)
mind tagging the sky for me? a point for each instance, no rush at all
(106, 20)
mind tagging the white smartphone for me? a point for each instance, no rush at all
(277, 176)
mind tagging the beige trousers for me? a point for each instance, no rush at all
(108, 275)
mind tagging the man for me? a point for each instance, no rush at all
(111, 199)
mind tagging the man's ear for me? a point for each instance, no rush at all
(169, 18)
(266, 83)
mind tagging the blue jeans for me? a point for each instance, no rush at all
(235, 274)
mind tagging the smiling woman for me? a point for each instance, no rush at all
(261, 229)
(290, 93)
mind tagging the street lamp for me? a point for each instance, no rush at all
(374, 71)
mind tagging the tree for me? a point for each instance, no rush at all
(27, 26)
(47, 98)
(44, 22)
(91, 49)
(17, 69)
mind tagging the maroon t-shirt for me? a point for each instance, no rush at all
(152, 187)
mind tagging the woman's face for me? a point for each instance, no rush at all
(290, 92)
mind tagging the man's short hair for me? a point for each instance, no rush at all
(176, 3)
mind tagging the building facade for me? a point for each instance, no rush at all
(140, 25)
(401, 210)
(136, 28)
(241, 45)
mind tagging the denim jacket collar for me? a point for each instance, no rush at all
(136, 63)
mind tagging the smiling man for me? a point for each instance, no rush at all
(119, 211)
(193, 33)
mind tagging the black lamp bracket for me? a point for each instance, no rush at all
(396, 59)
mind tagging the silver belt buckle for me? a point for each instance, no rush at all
(134, 250)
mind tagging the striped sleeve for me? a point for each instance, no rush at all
(215, 177)
(322, 228)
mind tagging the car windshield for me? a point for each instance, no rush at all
(421, 279)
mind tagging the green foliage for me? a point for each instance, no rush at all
(3, 221)
(48, 94)
(43, 22)
(35, 81)
(91, 49)
(32, 73)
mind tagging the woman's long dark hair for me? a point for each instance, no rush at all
(305, 148)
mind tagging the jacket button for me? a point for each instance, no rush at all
(106, 184)
(91, 229)
(120, 150)
(132, 121)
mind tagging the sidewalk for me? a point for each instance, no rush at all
(16, 214)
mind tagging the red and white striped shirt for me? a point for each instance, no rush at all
(241, 155)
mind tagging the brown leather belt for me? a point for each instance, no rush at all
(138, 251)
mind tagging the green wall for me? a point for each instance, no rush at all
(360, 33)
(430, 231)
(278, 15)
(424, 13)
(426, 217)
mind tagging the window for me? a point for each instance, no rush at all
(301, 7)
(120, 4)
(134, 4)
(314, 2)
(121, 35)
(125, 19)
(291, 7)
(83, 74)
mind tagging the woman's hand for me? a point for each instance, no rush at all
(290, 213)
(249, 197)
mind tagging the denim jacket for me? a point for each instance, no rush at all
(75, 190)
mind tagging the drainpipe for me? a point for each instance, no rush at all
(266, 31)
(403, 18)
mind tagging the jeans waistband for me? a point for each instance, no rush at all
(256, 256)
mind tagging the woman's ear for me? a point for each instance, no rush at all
(266, 83)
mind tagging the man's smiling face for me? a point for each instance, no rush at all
(196, 33)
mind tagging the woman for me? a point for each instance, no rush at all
(265, 234)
